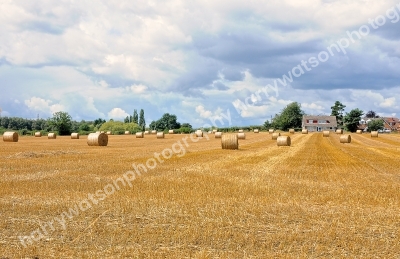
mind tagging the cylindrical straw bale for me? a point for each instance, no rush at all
(214, 130)
(256, 130)
(10, 136)
(109, 133)
(359, 131)
(241, 135)
(102, 131)
(139, 135)
(275, 135)
(171, 132)
(339, 131)
(209, 132)
(127, 132)
(374, 134)
(229, 141)
(97, 139)
(146, 132)
(291, 131)
(199, 133)
(271, 131)
(154, 132)
(160, 134)
(240, 131)
(304, 131)
(283, 141)
(52, 136)
(74, 135)
(38, 134)
(218, 134)
(325, 133)
(345, 139)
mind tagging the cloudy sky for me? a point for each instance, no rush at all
(197, 59)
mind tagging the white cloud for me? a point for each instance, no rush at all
(41, 105)
(117, 113)
(203, 112)
(388, 102)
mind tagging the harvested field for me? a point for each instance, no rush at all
(317, 198)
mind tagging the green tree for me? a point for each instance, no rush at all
(337, 110)
(375, 125)
(135, 117)
(371, 114)
(126, 120)
(98, 122)
(167, 121)
(352, 119)
(119, 127)
(142, 122)
(290, 117)
(62, 122)
(267, 124)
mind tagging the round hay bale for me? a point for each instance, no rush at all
(359, 131)
(229, 141)
(325, 133)
(97, 139)
(345, 139)
(209, 132)
(283, 141)
(339, 131)
(52, 136)
(97, 131)
(126, 132)
(291, 131)
(240, 131)
(74, 135)
(102, 131)
(374, 134)
(218, 134)
(199, 133)
(146, 132)
(304, 131)
(270, 131)
(10, 136)
(109, 133)
(214, 130)
(241, 135)
(139, 135)
(171, 132)
(38, 134)
(275, 135)
(154, 132)
(256, 130)
(160, 134)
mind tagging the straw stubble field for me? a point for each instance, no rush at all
(316, 198)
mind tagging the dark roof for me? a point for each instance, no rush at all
(331, 119)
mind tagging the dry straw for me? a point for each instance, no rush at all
(109, 133)
(154, 132)
(171, 132)
(52, 136)
(10, 136)
(102, 131)
(74, 135)
(283, 141)
(304, 131)
(218, 134)
(199, 133)
(275, 135)
(209, 132)
(256, 131)
(229, 141)
(339, 131)
(271, 131)
(98, 132)
(345, 139)
(374, 134)
(146, 132)
(97, 139)
(325, 133)
(291, 131)
(160, 134)
(126, 133)
(214, 130)
(359, 132)
(139, 135)
(241, 135)
(38, 134)
(240, 131)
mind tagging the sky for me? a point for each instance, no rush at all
(227, 63)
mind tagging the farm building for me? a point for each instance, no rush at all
(389, 123)
(319, 123)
